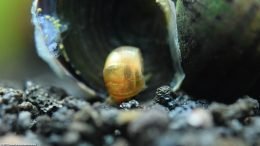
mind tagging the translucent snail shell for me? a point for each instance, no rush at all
(123, 73)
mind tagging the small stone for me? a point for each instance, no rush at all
(121, 142)
(163, 91)
(11, 96)
(241, 109)
(87, 114)
(55, 139)
(172, 101)
(35, 139)
(82, 128)
(71, 138)
(109, 139)
(129, 105)
(9, 122)
(43, 125)
(163, 95)
(1, 100)
(63, 115)
(229, 142)
(28, 106)
(47, 99)
(150, 125)
(74, 102)
(12, 139)
(200, 118)
(235, 125)
(24, 120)
(147, 120)
(109, 115)
(126, 117)
(117, 132)
(25, 106)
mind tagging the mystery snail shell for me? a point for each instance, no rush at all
(76, 37)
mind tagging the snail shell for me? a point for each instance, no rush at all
(75, 38)
(123, 73)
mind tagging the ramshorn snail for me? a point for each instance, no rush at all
(76, 37)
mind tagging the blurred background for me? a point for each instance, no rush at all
(18, 58)
(19, 61)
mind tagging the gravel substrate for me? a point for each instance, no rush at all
(49, 116)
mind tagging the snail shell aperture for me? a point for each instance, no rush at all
(76, 37)
(123, 73)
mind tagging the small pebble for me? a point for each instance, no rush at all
(129, 105)
(24, 120)
(200, 118)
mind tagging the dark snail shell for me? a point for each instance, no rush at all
(220, 45)
(77, 36)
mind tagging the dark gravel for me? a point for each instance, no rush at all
(49, 116)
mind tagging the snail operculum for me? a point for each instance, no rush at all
(123, 73)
